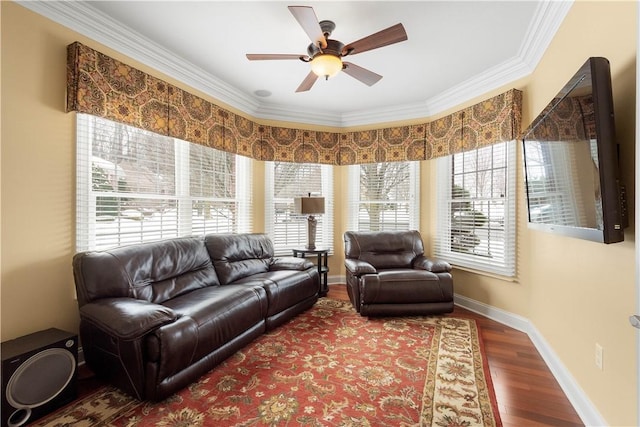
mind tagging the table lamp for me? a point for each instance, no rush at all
(310, 206)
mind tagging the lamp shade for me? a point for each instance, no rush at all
(326, 65)
(308, 205)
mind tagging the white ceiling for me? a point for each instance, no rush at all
(456, 50)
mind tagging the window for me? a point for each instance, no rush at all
(135, 186)
(284, 181)
(384, 196)
(476, 209)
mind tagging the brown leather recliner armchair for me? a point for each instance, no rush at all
(388, 275)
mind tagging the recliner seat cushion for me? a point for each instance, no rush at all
(403, 286)
(209, 318)
(284, 288)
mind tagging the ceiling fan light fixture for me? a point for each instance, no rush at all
(325, 54)
(326, 65)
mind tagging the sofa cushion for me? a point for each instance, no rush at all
(154, 271)
(236, 256)
(284, 288)
(208, 319)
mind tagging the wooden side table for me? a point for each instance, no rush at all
(322, 263)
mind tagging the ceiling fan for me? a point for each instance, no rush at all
(325, 54)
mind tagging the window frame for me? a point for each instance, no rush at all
(505, 265)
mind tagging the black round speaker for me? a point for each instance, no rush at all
(38, 377)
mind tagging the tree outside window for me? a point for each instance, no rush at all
(383, 196)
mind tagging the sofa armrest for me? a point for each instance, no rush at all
(290, 263)
(433, 265)
(358, 267)
(126, 318)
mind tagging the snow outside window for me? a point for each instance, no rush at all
(135, 186)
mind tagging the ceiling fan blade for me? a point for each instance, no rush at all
(365, 76)
(391, 35)
(308, 82)
(267, 56)
(308, 20)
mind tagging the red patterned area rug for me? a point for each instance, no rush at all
(327, 367)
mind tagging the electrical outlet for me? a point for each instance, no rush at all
(599, 356)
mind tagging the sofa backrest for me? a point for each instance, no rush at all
(384, 249)
(155, 271)
(235, 256)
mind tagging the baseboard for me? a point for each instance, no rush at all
(512, 320)
(587, 412)
(336, 280)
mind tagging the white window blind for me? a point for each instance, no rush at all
(476, 209)
(135, 186)
(384, 196)
(285, 181)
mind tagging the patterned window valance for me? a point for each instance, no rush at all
(100, 85)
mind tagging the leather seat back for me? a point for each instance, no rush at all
(390, 249)
(236, 256)
(154, 272)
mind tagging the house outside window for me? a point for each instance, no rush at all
(135, 186)
(476, 209)
(384, 196)
(285, 181)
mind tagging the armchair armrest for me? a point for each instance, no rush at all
(290, 263)
(433, 265)
(358, 267)
(127, 318)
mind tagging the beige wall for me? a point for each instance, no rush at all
(575, 292)
(582, 293)
(37, 177)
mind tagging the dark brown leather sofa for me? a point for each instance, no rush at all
(389, 275)
(154, 317)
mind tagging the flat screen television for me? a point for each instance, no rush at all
(571, 161)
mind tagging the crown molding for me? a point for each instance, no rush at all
(547, 19)
(542, 29)
(88, 21)
(285, 113)
(81, 17)
(480, 84)
(388, 114)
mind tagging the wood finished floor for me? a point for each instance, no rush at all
(526, 391)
